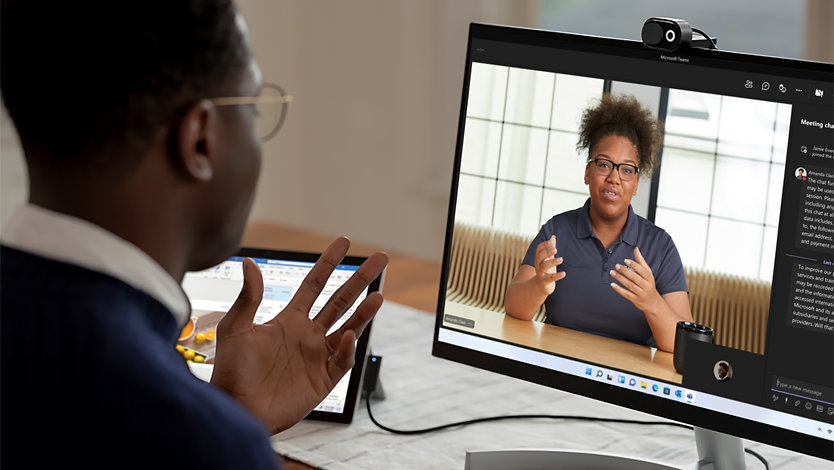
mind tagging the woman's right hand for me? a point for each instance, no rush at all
(546, 264)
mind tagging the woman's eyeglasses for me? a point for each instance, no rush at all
(605, 167)
(270, 108)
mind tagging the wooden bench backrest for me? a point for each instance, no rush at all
(735, 307)
(482, 264)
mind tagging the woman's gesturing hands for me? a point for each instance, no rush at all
(546, 265)
(636, 282)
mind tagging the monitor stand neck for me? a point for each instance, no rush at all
(719, 450)
(716, 451)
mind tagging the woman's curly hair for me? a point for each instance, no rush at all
(624, 116)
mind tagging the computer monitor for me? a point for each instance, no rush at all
(744, 189)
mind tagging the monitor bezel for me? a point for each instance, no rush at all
(686, 413)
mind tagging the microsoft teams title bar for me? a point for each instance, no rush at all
(659, 69)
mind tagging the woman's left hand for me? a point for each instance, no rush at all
(637, 282)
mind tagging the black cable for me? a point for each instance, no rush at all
(499, 418)
(712, 44)
(758, 456)
(564, 417)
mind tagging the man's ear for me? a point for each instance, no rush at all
(587, 173)
(194, 140)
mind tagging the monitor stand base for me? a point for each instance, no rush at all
(716, 451)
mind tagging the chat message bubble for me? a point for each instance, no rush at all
(815, 230)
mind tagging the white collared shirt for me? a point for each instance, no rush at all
(71, 240)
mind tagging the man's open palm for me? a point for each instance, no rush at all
(282, 369)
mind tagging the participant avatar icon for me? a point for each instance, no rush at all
(801, 174)
(722, 371)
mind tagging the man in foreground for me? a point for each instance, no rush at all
(139, 171)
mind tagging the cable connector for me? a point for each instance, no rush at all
(371, 385)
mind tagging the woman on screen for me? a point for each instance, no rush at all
(616, 274)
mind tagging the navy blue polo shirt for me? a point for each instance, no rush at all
(584, 299)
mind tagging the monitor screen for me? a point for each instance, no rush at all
(568, 262)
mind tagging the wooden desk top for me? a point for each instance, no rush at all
(409, 280)
(623, 355)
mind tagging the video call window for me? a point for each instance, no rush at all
(723, 163)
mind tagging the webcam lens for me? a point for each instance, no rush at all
(670, 35)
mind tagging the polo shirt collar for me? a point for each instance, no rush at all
(583, 226)
(584, 229)
(631, 229)
(75, 241)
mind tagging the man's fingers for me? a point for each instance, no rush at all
(357, 323)
(242, 312)
(317, 278)
(342, 360)
(344, 297)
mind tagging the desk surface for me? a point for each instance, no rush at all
(409, 280)
(635, 358)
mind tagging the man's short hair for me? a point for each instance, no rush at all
(101, 76)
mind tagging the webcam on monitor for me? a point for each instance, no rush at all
(669, 34)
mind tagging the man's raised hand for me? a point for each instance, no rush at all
(282, 369)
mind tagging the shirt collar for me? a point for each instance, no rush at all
(584, 229)
(631, 229)
(76, 241)
(583, 225)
